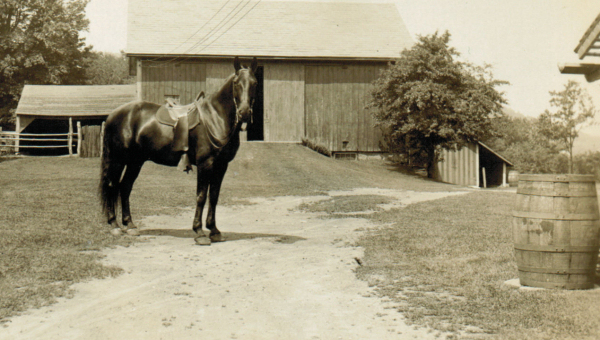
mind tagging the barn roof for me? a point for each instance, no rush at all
(279, 29)
(73, 101)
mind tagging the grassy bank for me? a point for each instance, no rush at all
(444, 262)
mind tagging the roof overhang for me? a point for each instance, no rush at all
(589, 70)
(589, 45)
(495, 153)
(171, 57)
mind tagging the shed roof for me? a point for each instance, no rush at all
(281, 29)
(73, 101)
(496, 154)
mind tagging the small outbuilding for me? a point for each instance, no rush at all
(62, 119)
(475, 165)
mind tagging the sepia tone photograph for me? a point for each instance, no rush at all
(299, 169)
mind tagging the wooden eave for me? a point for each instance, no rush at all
(589, 45)
(589, 70)
(270, 58)
(495, 153)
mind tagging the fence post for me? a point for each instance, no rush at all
(102, 139)
(70, 136)
(17, 131)
(79, 138)
(484, 178)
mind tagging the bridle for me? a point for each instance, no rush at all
(238, 116)
(216, 142)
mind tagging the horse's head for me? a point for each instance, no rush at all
(244, 90)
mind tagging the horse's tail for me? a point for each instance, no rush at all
(108, 189)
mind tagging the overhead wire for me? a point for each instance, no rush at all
(230, 27)
(226, 19)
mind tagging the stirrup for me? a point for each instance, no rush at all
(184, 164)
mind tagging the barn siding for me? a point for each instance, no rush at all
(185, 80)
(335, 100)
(284, 102)
(459, 167)
(216, 74)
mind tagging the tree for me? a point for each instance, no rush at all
(520, 141)
(108, 69)
(39, 44)
(573, 111)
(428, 99)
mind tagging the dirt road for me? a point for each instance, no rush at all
(281, 274)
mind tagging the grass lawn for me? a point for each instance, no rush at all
(444, 262)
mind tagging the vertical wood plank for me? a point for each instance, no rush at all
(79, 138)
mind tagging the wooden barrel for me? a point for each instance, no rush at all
(513, 178)
(556, 230)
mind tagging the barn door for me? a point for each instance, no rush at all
(335, 113)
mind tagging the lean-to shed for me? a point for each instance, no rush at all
(317, 61)
(59, 109)
(475, 164)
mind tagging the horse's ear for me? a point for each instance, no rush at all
(236, 64)
(254, 65)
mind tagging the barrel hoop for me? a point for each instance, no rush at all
(542, 284)
(556, 216)
(557, 248)
(554, 193)
(557, 270)
(557, 178)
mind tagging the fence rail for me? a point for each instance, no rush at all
(13, 139)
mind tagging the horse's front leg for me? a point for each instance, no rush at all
(201, 192)
(131, 174)
(215, 190)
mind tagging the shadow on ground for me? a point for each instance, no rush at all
(227, 236)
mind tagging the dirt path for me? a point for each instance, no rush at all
(282, 274)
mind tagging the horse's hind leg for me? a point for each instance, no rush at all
(111, 195)
(126, 185)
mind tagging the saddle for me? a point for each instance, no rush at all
(182, 118)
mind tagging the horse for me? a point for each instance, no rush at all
(133, 135)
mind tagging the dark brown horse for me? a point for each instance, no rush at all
(133, 135)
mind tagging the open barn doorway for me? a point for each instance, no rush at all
(256, 130)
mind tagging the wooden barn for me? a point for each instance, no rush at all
(317, 61)
(61, 119)
(474, 165)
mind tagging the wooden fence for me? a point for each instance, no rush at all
(87, 141)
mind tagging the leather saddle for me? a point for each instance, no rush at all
(182, 118)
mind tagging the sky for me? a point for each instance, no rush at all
(523, 40)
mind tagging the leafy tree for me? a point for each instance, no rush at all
(520, 141)
(428, 99)
(588, 163)
(573, 110)
(39, 44)
(108, 69)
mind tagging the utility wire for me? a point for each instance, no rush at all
(205, 37)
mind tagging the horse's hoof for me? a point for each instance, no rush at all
(217, 238)
(133, 232)
(202, 241)
(116, 232)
